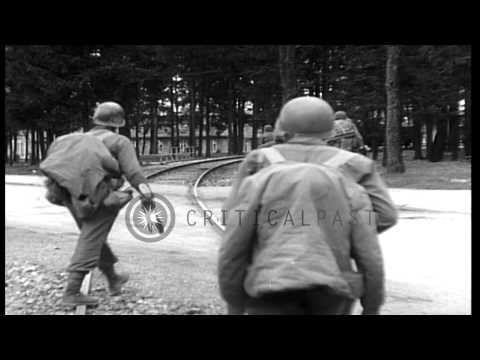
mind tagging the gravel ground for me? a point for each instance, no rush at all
(32, 289)
(160, 283)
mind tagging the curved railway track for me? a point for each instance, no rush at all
(189, 172)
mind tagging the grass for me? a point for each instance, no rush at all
(423, 174)
(21, 169)
(419, 174)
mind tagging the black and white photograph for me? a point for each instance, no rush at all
(238, 179)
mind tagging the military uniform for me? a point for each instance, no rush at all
(346, 135)
(244, 271)
(360, 168)
(92, 249)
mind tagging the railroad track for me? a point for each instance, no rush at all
(189, 172)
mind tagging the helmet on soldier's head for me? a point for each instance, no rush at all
(307, 115)
(268, 128)
(109, 114)
(340, 115)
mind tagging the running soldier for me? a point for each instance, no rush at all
(92, 249)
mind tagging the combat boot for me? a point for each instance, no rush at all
(72, 295)
(115, 281)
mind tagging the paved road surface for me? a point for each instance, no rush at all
(427, 255)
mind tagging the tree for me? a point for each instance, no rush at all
(287, 71)
(394, 161)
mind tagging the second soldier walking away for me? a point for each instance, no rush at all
(301, 144)
(299, 270)
(75, 179)
(345, 134)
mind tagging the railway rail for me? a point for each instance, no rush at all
(189, 172)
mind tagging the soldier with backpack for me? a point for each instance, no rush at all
(345, 134)
(307, 125)
(84, 174)
(296, 269)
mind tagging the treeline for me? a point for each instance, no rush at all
(52, 90)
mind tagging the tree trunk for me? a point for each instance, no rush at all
(323, 74)
(467, 134)
(33, 159)
(172, 118)
(254, 126)
(453, 141)
(287, 71)
(43, 149)
(50, 137)
(207, 129)
(417, 137)
(144, 140)
(137, 141)
(154, 130)
(394, 161)
(177, 119)
(429, 127)
(438, 145)
(9, 149)
(200, 125)
(15, 138)
(235, 127)
(26, 145)
(241, 126)
(191, 133)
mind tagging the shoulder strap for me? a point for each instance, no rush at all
(101, 136)
(339, 159)
(273, 155)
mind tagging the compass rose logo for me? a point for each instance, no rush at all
(150, 221)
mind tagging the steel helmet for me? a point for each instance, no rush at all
(340, 115)
(306, 114)
(109, 114)
(268, 128)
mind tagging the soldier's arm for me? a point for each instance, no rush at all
(367, 253)
(128, 163)
(387, 214)
(358, 135)
(235, 250)
(250, 165)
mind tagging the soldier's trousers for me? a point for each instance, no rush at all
(92, 249)
(319, 301)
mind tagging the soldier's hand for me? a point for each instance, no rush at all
(146, 192)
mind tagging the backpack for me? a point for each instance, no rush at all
(77, 167)
(344, 135)
(356, 195)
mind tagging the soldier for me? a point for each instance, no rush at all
(92, 249)
(267, 134)
(278, 137)
(345, 134)
(282, 269)
(304, 136)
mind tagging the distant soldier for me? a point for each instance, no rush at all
(345, 134)
(278, 137)
(97, 182)
(267, 134)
